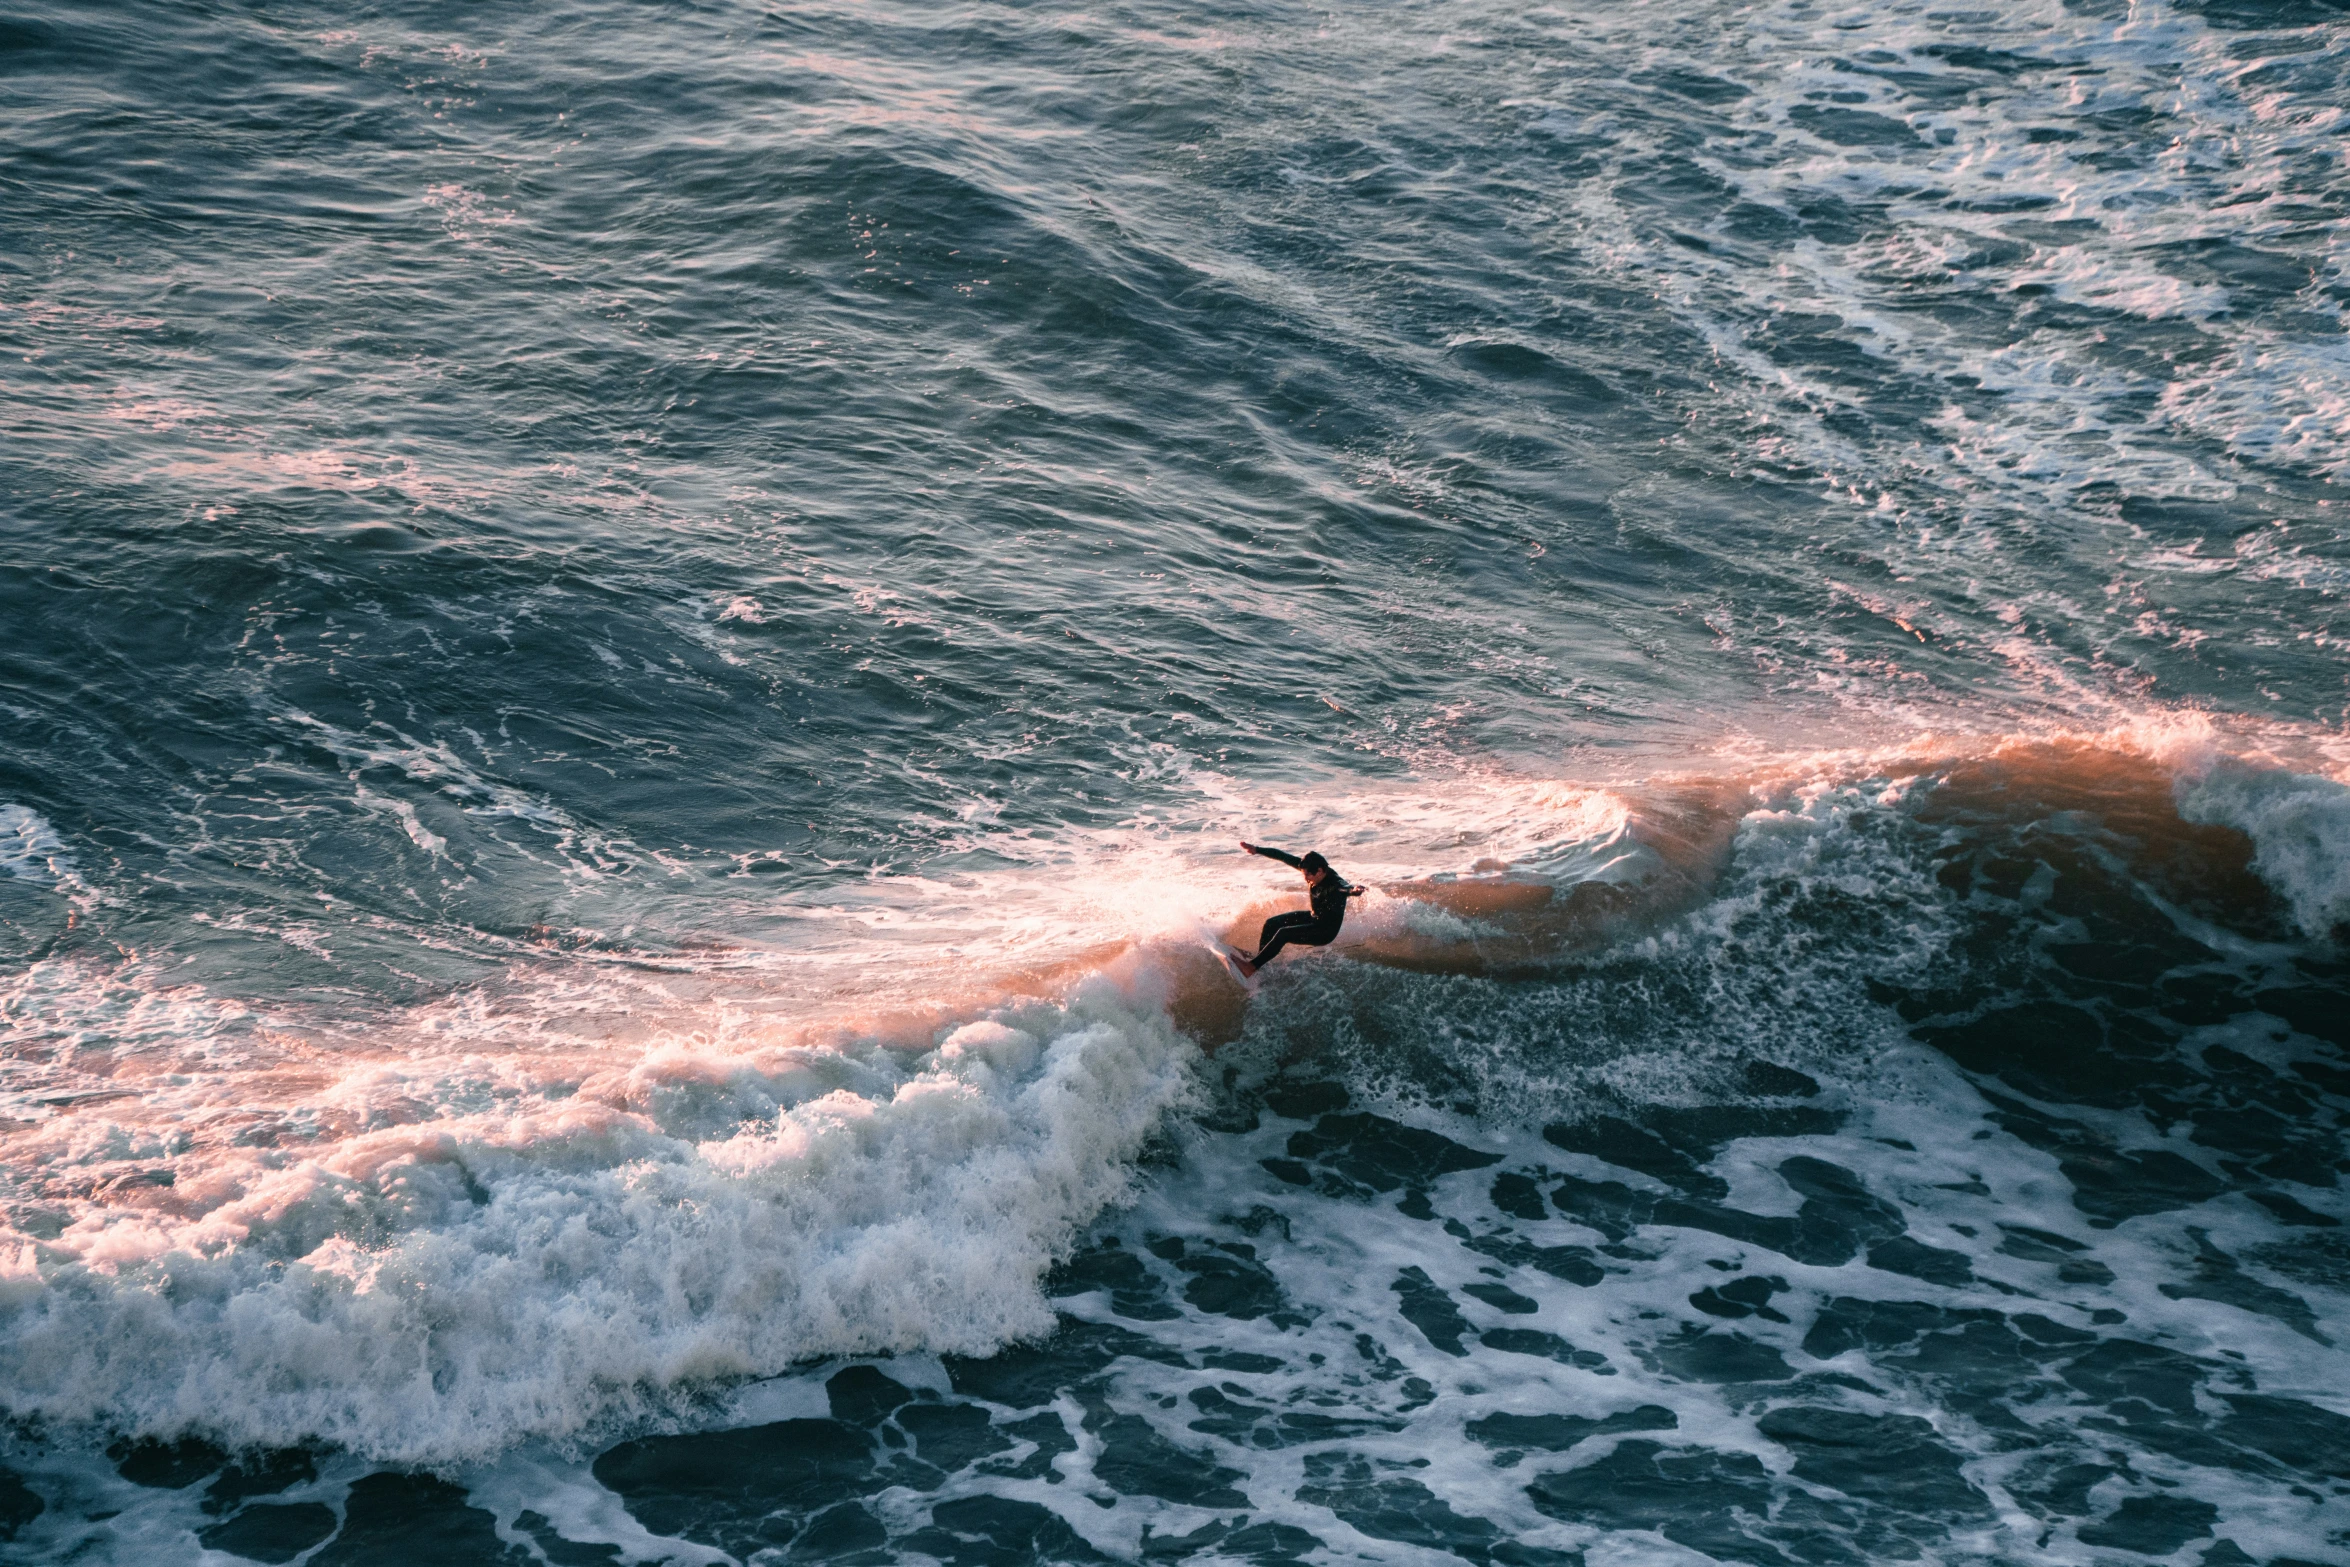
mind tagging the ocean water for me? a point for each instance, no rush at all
(635, 640)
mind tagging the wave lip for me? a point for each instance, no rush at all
(2217, 815)
(2299, 824)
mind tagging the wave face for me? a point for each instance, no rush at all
(637, 642)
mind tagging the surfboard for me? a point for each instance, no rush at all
(1232, 966)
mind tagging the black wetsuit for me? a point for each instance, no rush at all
(1315, 927)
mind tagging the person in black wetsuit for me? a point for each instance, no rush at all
(1315, 927)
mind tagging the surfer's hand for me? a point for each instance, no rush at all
(1247, 847)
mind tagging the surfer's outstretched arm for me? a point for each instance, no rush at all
(1286, 858)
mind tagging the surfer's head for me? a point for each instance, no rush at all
(1314, 864)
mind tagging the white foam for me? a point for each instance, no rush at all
(2299, 824)
(31, 849)
(1917, 1137)
(2094, 168)
(543, 1265)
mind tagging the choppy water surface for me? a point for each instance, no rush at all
(634, 639)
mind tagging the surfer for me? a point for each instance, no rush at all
(1314, 927)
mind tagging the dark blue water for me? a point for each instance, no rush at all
(635, 641)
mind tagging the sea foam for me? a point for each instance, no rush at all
(2299, 824)
(603, 1256)
(31, 850)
